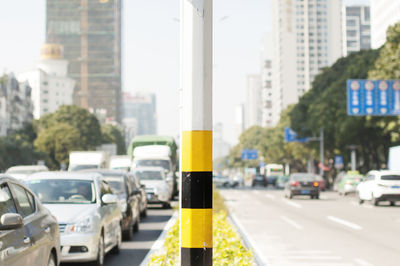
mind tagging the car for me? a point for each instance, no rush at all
(348, 183)
(322, 182)
(129, 199)
(302, 184)
(338, 178)
(259, 180)
(271, 180)
(221, 181)
(380, 186)
(281, 181)
(159, 188)
(87, 211)
(23, 171)
(29, 233)
(143, 195)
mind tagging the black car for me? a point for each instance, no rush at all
(302, 184)
(129, 199)
(259, 180)
(143, 194)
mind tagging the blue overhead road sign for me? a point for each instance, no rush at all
(249, 154)
(291, 136)
(373, 97)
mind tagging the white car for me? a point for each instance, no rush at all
(159, 188)
(87, 212)
(380, 186)
(23, 171)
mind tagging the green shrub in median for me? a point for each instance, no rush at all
(228, 248)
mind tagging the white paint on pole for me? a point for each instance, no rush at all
(196, 64)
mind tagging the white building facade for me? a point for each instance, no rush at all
(51, 87)
(307, 36)
(384, 13)
(253, 101)
(356, 25)
(266, 81)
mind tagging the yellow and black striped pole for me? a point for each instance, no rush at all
(196, 139)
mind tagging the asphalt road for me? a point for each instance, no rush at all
(332, 231)
(133, 252)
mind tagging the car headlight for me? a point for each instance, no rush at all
(83, 226)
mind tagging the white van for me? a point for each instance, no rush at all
(122, 162)
(80, 160)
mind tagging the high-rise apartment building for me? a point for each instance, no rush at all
(253, 101)
(307, 37)
(384, 13)
(356, 28)
(90, 32)
(51, 87)
(266, 81)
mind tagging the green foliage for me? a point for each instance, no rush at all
(86, 123)
(112, 134)
(57, 142)
(228, 248)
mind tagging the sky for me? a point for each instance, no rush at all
(151, 50)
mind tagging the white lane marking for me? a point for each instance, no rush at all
(315, 257)
(293, 204)
(252, 243)
(272, 197)
(292, 223)
(362, 262)
(324, 264)
(309, 251)
(344, 222)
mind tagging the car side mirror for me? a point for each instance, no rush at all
(109, 199)
(143, 186)
(11, 221)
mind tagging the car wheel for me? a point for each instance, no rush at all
(117, 248)
(290, 195)
(136, 225)
(52, 260)
(317, 196)
(100, 252)
(374, 201)
(128, 234)
(166, 205)
(143, 214)
(360, 201)
(311, 197)
(392, 203)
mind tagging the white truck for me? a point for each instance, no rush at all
(394, 158)
(153, 156)
(80, 160)
(122, 162)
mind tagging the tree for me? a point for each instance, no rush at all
(112, 134)
(57, 142)
(81, 119)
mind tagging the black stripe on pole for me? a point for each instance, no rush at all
(197, 190)
(196, 256)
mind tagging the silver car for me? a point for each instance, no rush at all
(29, 234)
(87, 212)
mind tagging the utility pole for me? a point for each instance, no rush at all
(321, 151)
(196, 141)
(84, 90)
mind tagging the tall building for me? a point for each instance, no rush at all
(356, 28)
(253, 101)
(140, 113)
(51, 87)
(306, 38)
(384, 13)
(239, 120)
(266, 81)
(90, 32)
(15, 104)
(220, 147)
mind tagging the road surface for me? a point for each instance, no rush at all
(332, 231)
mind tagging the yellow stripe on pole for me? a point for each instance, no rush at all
(196, 228)
(197, 151)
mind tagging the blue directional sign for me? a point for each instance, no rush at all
(373, 97)
(249, 154)
(339, 161)
(291, 136)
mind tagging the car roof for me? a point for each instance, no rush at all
(384, 172)
(64, 175)
(149, 168)
(27, 167)
(104, 172)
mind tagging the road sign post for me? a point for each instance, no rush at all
(196, 142)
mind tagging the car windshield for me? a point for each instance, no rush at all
(83, 167)
(153, 163)
(303, 177)
(63, 191)
(116, 183)
(391, 177)
(149, 175)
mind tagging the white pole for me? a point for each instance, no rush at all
(196, 83)
(353, 160)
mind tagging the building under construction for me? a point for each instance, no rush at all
(90, 32)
